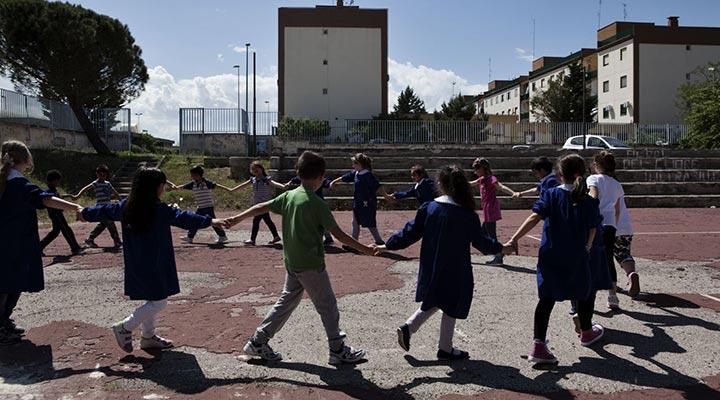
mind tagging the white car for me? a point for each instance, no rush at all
(595, 142)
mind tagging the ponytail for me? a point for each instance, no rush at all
(572, 169)
(13, 153)
(454, 183)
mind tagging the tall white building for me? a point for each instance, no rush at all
(642, 65)
(332, 63)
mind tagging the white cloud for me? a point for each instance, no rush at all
(241, 49)
(220, 58)
(164, 96)
(522, 54)
(433, 86)
(5, 83)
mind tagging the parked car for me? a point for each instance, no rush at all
(595, 142)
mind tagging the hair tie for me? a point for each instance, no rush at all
(6, 159)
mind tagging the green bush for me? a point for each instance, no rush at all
(302, 129)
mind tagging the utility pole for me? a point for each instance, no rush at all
(254, 142)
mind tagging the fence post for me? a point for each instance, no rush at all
(202, 124)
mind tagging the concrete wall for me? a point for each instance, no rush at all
(216, 144)
(45, 138)
(663, 69)
(612, 73)
(352, 75)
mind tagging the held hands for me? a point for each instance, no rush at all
(510, 247)
(389, 197)
(78, 214)
(221, 223)
(516, 195)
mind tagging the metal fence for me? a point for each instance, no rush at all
(226, 120)
(112, 124)
(480, 132)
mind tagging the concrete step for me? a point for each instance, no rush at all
(344, 203)
(524, 175)
(520, 162)
(631, 188)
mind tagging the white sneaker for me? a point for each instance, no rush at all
(186, 239)
(155, 342)
(221, 240)
(613, 302)
(263, 351)
(346, 355)
(123, 337)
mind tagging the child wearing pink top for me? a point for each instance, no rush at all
(488, 184)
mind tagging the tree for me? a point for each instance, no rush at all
(562, 101)
(457, 109)
(65, 52)
(409, 105)
(699, 101)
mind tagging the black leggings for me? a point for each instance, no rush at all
(609, 242)
(8, 301)
(256, 225)
(585, 309)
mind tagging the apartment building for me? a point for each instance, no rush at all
(642, 65)
(332, 62)
(505, 97)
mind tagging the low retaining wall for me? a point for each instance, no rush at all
(45, 138)
(215, 144)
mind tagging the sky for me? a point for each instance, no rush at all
(190, 47)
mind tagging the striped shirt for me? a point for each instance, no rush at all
(261, 189)
(103, 191)
(202, 190)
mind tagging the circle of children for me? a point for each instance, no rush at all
(586, 225)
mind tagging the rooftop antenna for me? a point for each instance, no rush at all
(624, 11)
(599, 14)
(489, 70)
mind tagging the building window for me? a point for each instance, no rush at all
(623, 109)
(606, 112)
(622, 53)
(515, 111)
(502, 97)
(606, 59)
(516, 92)
(325, 91)
(688, 47)
(542, 83)
(623, 81)
(325, 31)
(533, 86)
(606, 86)
(509, 111)
(688, 76)
(324, 62)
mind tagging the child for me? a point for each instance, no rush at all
(490, 204)
(448, 227)
(305, 216)
(367, 188)
(21, 269)
(564, 271)
(325, 185)
(424, 189)
(609, 192)
(202, 191)
(623, 244)
(261, 183)
(104, 192)
(59, 224)
(150, 272)
(542, 168)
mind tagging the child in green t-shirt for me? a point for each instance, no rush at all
(305, 217)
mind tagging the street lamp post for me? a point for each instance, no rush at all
(583, 109)
(247, 71)
(239, 112)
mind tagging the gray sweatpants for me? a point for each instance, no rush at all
(317, 285)
(373, 231)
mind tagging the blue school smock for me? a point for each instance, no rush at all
(424, 191)
(548, 182)
(365, 197)
(150, 271)
(325, 185)
(21, 267)
(564, 267)
(445, 277)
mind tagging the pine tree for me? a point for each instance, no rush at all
(457, 109)
(409, 105)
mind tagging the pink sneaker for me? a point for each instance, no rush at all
(540, 354)
(591, 335)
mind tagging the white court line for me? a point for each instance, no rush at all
(534, 237)
(657, 233)
(710, 297)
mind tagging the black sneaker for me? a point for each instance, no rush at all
(453, 355)
(380, 243)
(403, 333)
(346, 355)
(11, 327)
(8, 338)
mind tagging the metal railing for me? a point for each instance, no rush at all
(112, 124)
(226, 120)
(481, 132)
